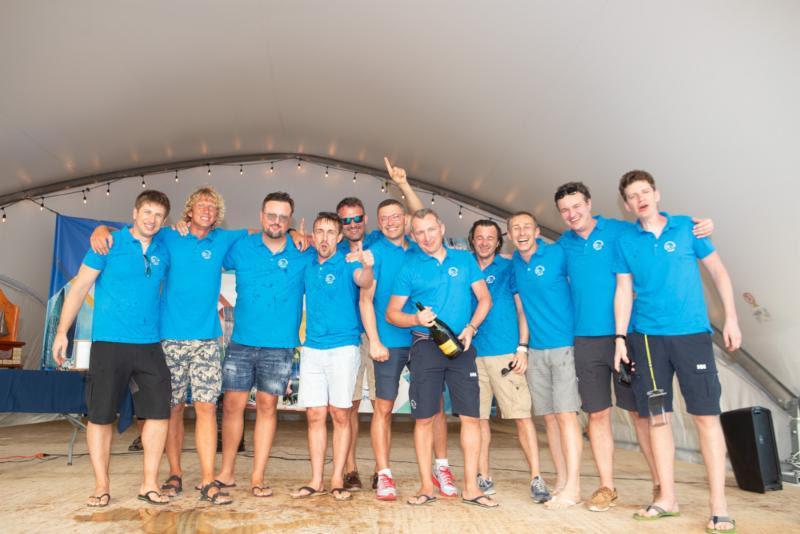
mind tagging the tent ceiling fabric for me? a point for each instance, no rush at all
(502, 102)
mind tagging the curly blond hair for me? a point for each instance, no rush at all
(208, 192)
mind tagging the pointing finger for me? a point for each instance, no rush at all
(388, 165)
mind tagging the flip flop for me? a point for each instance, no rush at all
(219, 483)
(339, 494)
(477, 502)
(257, 491)
(310, 492)
(169, 486)
(146, 498)
(214, 499)
(660, 512)
(716, 519)
(426, 499)
(100, 501)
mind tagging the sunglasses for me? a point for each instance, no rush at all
(147, 269)
(349, 220)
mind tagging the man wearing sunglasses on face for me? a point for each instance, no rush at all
(125, 343)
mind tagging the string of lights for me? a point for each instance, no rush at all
(301, 165)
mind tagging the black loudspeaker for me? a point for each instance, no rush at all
(753, 451)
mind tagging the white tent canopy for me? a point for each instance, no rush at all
(498, 102)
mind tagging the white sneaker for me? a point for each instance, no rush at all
(386, 490)
(444, 480)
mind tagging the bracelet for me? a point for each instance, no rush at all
(620, 336)
(474, 328)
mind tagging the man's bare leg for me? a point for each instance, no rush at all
(572, 445)
(205, 439)
(341, 442)
(471, 447)
(642, 426)
(98, 439)
(154, 437)
(351, 464)
(381, 432)
(440, 432)
(526, 433)
(263, 435)
(233, 406)
(423, 443)
(174, 447)
(601, 440)
(317, 444)
(486, 441)
(663, 445)
(556, 451)
(712, 445)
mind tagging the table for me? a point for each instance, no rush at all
(59, 392)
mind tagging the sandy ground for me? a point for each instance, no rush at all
(47, 495)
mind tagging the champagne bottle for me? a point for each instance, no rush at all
(444, 337)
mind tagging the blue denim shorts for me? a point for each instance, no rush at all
(267, 369)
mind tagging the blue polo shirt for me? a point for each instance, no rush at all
(388, 260)
(592, 281)
(369, 239)
(269, 292)
(446, 287)
(331, 318)
(191, 290)
(499, 332)
(126, 300)
(666, 277)
(544, 291)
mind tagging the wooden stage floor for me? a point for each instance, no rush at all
(47, 495)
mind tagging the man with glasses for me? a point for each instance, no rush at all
(190, 329)
(125, 343)
(589, 246)
(502, 357)
(269, 304)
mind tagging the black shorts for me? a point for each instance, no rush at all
(594, 366)
(691, 357)
(116, 366)
(431, 370)
(388, 373)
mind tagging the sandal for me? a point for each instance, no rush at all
(659, 513)
(716, 519)
(219, 498)
(99, 501)
(481, 500)
(415, 500)
(307, 491)
(173, 484)
(258, 491)
(341, 494)
(148, 499)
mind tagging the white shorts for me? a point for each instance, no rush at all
(328, 376)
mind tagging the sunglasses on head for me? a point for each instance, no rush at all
(349, 220)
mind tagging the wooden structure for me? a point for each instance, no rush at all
(10, 342)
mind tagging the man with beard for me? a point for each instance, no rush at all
(443, 280)
(269, 304)
(502, 345)
(330, 356)
(125, 343)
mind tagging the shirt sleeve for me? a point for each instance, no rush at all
(702, 247)
(403, 283)
(95, 260)
(475, 272)
(620, 263)
(229, 263)
(512, 279)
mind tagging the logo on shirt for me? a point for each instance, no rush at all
(330, 278)
(539, 270)
(283, 263)
(154, 260)
(670, 246)
(206, 254)
(598, 245)
(453, 271)
(490, 279)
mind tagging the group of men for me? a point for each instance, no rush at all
(545, 330)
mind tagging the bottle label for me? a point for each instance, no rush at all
(449, 348)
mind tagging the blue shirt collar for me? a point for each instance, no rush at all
(337, 258)
(669, 224)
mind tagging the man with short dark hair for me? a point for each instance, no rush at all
(443, 281)
(126, 350)
(541, 275)
(657, 259)
(269, 305)
(331, 356)
(502, 357)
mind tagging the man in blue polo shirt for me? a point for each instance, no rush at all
(589, 245)
(443, 281)
(125, 343)
(269, 304)
(502, 344)
(331, 355)
(540, 271)
(657, 260)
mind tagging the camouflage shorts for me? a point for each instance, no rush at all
(195, 363)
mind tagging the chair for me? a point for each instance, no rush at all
(9, 342)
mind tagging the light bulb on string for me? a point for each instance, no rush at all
(108, 189)
(209, 168)
(460, 214)
(143, 182)
(4, 215)
(354, 177)
(299, 163)
(326, 171)
(241, 170)
(383, 188)
(271, 167)
(403, 196)
(433, 199)
(176, 176)
(84, 196)
(41, 205)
